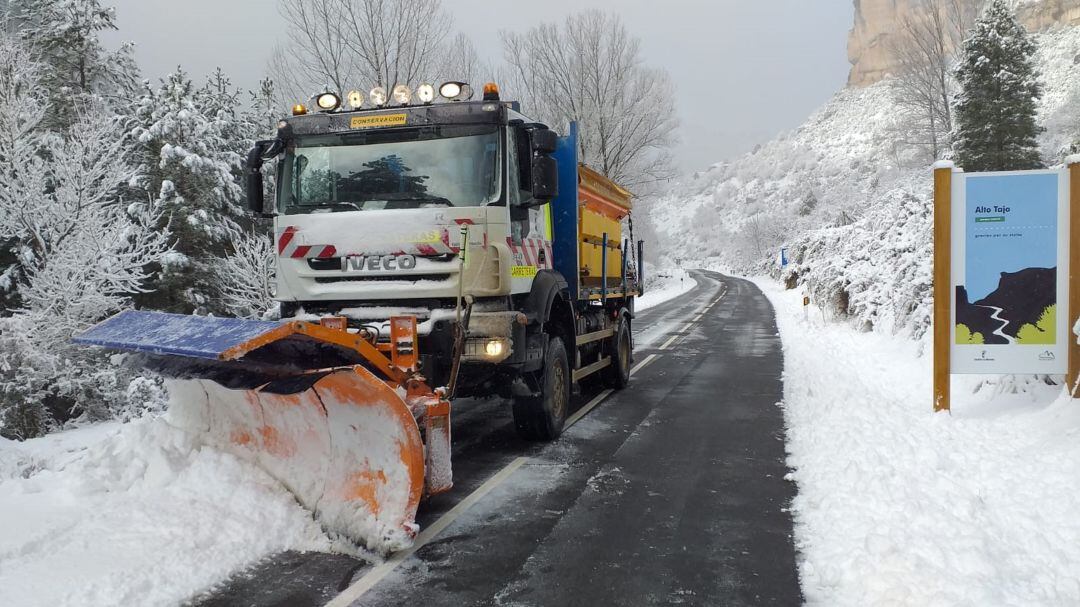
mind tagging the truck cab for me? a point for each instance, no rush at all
(450, 212)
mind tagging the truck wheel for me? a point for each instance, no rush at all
(617, 376)
(541, 417)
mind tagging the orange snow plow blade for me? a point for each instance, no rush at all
(344, 436)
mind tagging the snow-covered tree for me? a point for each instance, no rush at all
(590, 69)
(22, 169)
(63, 36)
(80, 250)
(807, 204)
(263, 112)
(192, 144)
(996, 127)
(86, 250)
(246, 274)
(221, 103)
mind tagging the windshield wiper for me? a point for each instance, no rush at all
(337, 206)
(419, 200)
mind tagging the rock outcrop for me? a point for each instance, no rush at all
(876, 23)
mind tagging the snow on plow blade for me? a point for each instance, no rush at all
(321, 410)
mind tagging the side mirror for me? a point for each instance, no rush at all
(255, 197)
(253, 174)
(545, 178)
(543, 141)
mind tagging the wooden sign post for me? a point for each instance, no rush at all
(942, 284)
(1006, 274)
(1074, 272)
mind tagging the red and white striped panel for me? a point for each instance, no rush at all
(529, 252)
(289, 246)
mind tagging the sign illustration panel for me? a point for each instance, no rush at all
(1010, 257)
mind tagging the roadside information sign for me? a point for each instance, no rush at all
(1004, 247)
(1010, 268)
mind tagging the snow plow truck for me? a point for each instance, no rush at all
(429, 247)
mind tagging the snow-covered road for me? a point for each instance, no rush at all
(670, 492)
(140, 513)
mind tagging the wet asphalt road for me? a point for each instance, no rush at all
(671, 492)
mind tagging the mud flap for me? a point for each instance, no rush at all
(440, 474)
(343, 442)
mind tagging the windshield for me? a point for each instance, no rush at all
(446, 166)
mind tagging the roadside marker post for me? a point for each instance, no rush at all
(1006, 250)
(1074, 273)
(942, 285)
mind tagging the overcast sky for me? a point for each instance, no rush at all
(745, 70)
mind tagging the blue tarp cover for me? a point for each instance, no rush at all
(179, 334)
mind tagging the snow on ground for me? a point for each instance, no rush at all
(897, 505)
(134, 514)
(665, 285)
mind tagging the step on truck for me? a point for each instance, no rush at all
(429, 247)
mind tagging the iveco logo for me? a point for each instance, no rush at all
(377, 263)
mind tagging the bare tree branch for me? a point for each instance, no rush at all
(925, 51)
(589, 69)
(358, 44)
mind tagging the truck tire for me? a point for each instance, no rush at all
(541, 417)
(617, 376)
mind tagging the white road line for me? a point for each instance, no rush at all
(580, 413)
(368, 581)
(599, 398)
(641, 365)
(669, 342)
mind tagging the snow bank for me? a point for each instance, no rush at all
(664, 286)
(899, 506)
(134, 514)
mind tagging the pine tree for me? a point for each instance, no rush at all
(63, 36)
(192, 144)
(995, 111)
(264, 113)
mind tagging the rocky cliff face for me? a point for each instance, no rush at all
(876, 23)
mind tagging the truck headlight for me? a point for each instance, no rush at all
(402, 94)
(378, 96)
(494, 348)
(487, 349)
(356, 100)
(425, 93)
(455, 91)
(328, 101)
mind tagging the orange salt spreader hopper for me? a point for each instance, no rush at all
(342, 419)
